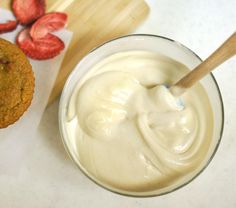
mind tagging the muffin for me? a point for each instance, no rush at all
(16, 83)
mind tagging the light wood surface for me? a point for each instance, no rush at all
(93, 23)
(223, 53)
(5, 4)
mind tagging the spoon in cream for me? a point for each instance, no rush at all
(222, 54)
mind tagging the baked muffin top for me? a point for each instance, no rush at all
(16, 83)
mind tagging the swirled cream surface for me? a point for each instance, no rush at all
(129, 132)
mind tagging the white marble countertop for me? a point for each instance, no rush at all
(49, 178)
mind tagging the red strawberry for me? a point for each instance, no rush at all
(44, 48)
(48, 23)
(26, 11)
(8, 26)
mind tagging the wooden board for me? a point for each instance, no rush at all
(93, 22)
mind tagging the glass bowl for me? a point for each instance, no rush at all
(161, 45)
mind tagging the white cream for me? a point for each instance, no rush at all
(127, 129)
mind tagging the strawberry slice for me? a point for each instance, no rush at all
(8, 26)
(26, 11)
(41, 49)
(48, 23)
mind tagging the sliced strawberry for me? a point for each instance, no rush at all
(26, 11)
(48, 23)
(44, 48)
(8, 26)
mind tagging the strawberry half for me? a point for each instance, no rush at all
(8, 26)
(41, 49)
(48, 23)
(26, 11)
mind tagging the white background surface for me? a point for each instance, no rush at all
(49, 179)
(11, 147)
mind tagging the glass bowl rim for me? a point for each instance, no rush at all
(134, 194)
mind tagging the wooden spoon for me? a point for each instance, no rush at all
(223, 53)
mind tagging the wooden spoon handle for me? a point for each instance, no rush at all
(224, 52)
